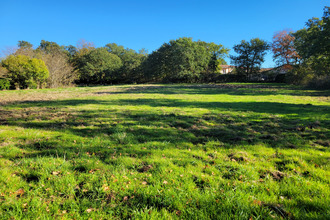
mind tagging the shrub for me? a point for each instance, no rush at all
(25, 72)
(300, 75)
(280, 78)
(230, 78)
(4, 84)
(320, 82)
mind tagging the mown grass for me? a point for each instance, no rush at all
(165, 152)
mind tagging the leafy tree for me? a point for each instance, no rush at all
(131, 69)
(98, 66)
(283, 48)
(3, 72)
(70, 51)
(250, 56)
(26, 72)
(183, 60)
(313, 43)
(24, 44)
(49, 47)
(76, 55)
(115, 49)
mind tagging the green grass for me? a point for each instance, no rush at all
(240, 151)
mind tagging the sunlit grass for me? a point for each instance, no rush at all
(165, 151)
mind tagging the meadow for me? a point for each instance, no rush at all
(190, 151)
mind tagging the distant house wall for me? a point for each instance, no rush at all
(225, 69)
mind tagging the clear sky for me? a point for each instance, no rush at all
(149, 23)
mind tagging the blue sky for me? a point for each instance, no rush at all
(148, 24)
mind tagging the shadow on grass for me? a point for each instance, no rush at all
(298, 110)
(299, 124)
(260, 89)
(131, 133)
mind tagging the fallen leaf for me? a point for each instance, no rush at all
(20, 192)
(257, 202)
(55, 172)
(89, 210)
(165, 182)
(105, 188)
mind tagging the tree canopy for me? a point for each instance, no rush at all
(184, 60)
(283, 48)
(251, 55)
(313, 43)
(98, 66)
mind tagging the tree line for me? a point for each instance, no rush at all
(304, 54)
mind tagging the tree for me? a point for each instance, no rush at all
(61, 72)
(24, 44)
(131, 60)
(25, 72)
(98, 66)
(70, 51)
(250, 56)
(313, 43)
(24, 48)
(56, 58)
(183, 60)
(3, 72)
(284, 49)
(49, 47)
(84, 47)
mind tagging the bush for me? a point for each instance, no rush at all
(4, 84)
(305, 76)
(25, 72)
(320, 82)
(280, 78)
(230, 78)
(300, 75)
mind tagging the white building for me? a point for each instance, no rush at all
(225, 69)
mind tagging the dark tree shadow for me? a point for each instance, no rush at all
(219, 125)
(260, 89)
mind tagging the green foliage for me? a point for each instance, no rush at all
(184, 60)
(70, 51)
(24, 45)
(49, 47)
(4, 84)
(98, 66)
(250, 56)
(131, 70)
(300, 75)
(313, 43)
(25, 72)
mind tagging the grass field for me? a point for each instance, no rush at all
(243, 151)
